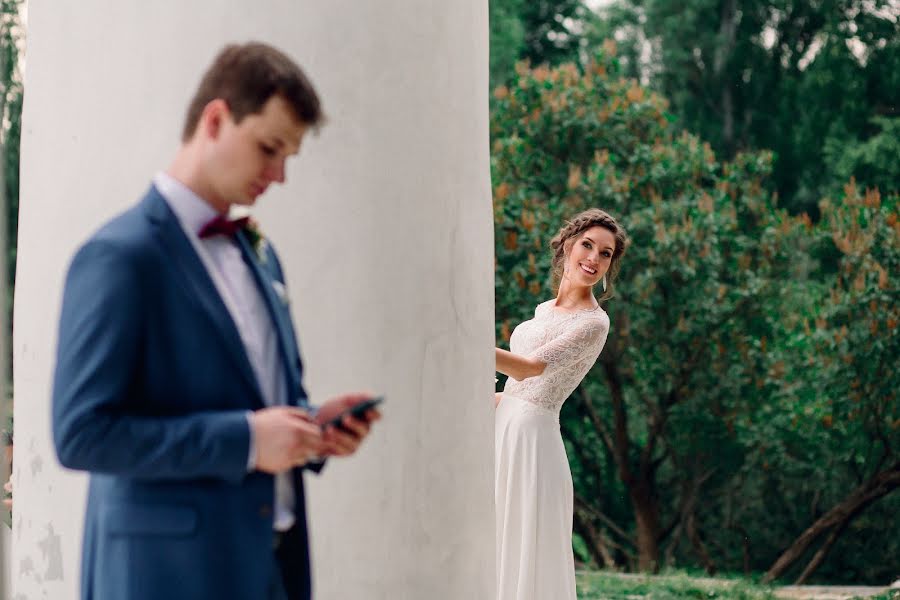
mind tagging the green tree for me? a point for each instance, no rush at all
(693, 423)
(11, 95)
(873, 160)
(842, 424)
(539, 31)
(554, 30)
(706, 241)
(819, 446)
(784, 75)
(507, 38)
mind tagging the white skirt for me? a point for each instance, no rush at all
(534, 502)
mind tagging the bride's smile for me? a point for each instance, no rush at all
(589, 258)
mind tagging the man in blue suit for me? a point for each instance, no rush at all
(178, 381)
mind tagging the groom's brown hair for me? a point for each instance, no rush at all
(245, 76)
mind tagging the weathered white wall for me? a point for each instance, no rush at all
(384, 227)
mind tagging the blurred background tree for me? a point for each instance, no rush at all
(12, 37)
(802, 79)
(790, 76)
(539, 31)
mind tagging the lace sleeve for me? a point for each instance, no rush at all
(585, 337)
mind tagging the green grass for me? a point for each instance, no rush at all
(594, 585)
(888, 595)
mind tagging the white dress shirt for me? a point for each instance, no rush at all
(236, 285)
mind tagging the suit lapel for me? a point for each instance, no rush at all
(277, 310)
(199, 285)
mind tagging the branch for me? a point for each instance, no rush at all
(583, 505)
(658, 423)
(697, 542)
(688, 367)
(587, 461)
(595, 420)
(673, 529)
(687, 504)
(676, 530)
(657, 462)
(838, 517)
(620, 436)
(596, 541)
(820, 554)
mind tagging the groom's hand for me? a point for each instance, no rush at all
(345, 440)
(285, 437)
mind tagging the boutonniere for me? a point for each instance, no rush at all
(257, 240)
(281, 292)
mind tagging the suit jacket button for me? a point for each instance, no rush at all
(265, 511)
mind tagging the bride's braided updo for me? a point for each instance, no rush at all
(562, 243)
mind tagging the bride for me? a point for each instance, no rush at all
(549, 356)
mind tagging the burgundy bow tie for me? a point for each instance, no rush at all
(222, 226)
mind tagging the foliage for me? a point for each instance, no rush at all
(720, 399)
(786, 75)
(552, 29)
(538, 31)
(507, 37)
(11, 95)
(873, 160)
(834, 422)
(861, 316)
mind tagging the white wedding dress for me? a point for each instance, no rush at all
(533, 484)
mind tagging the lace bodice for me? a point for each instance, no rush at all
(568, 342)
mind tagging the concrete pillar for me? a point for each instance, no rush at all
(385, 230)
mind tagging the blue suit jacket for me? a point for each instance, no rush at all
(151, 394)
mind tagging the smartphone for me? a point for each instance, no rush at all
(357, 411)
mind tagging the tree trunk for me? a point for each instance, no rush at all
(646, 517)
(596, 541)
(699, 546)
(820, 554)
(745, 547)
(837, 518)
(640, 484)
(686, 522)
(727, 31)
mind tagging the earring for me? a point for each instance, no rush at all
(604, 282)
